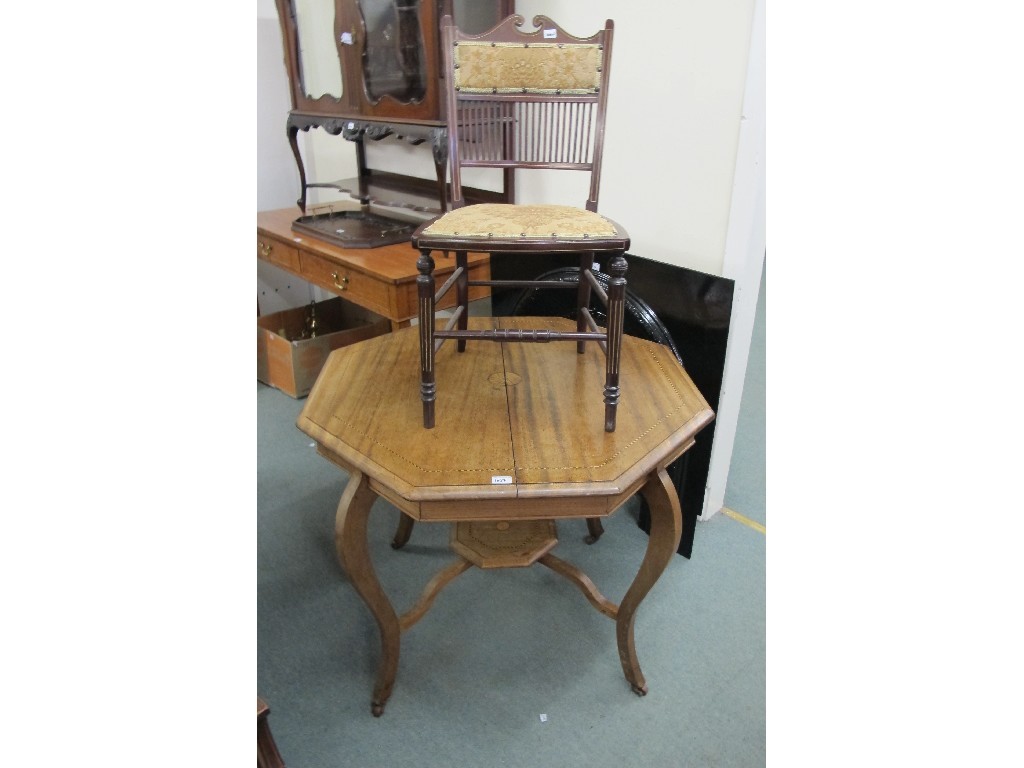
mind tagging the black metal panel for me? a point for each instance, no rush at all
(693, 307)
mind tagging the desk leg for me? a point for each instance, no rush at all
(666, 530)
(350, 541)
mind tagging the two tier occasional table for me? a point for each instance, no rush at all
(519, 444)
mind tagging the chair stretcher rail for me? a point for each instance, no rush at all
(448, 284)
(521, 283)
(520, 334)
(592, 324)
(596, 286)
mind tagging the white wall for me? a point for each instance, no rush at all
(676, 94)
(744, 261)
(685, 77)
(676, 91)
(326, 157)
(679, 88)
(277, 181)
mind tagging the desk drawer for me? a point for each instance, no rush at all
(347, 283)
(277, 252)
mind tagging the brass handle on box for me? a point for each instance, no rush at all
(265, 249)
(339, 286)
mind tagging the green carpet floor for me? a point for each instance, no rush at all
(509, 668)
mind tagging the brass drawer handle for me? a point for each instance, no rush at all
(265, 249)
(339, 286)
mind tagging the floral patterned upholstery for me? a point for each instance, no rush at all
(527, 67)
(504, 220)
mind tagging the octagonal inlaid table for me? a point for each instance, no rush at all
(519, 443)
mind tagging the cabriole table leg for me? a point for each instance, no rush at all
(666, 530)
(353, 553)
(403, 532)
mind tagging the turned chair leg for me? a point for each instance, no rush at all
(616, 315)
(425, 286)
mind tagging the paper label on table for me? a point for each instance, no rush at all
(501, 479)
(550, 34)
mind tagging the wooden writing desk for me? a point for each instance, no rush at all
(381, 279)
(519, 442)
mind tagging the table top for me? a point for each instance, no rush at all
(518, 423)
(390, 263)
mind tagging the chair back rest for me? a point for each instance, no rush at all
(520, 99)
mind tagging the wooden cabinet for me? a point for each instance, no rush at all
(371, 69)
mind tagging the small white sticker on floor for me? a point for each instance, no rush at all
(543, 718)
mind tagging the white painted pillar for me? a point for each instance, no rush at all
(743, 262)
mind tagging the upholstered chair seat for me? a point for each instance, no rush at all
(490, 221)
(524, 100)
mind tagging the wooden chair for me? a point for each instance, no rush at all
(524, 100)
